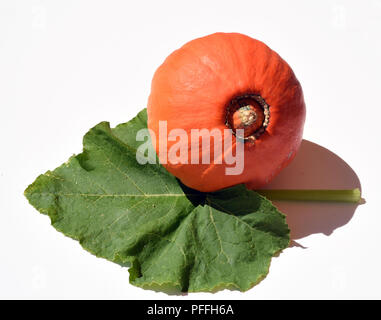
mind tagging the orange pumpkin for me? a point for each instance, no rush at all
(228, 80)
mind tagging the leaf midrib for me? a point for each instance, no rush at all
(119, 195)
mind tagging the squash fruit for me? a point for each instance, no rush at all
(229, 80)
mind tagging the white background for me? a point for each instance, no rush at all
(67, 65)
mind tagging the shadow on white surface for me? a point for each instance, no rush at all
(315, 167)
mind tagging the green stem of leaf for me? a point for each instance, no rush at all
(351, 195)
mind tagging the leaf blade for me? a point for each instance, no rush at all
(140, 215)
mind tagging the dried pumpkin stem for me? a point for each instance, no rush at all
(351, 195)
(249, 112)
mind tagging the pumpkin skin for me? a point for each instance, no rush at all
(193, 88)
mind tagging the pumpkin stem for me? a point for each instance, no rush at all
(247, 115)
(248, 112)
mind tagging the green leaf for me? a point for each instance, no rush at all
(172, 237)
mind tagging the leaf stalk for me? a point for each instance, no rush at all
(350, 195)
